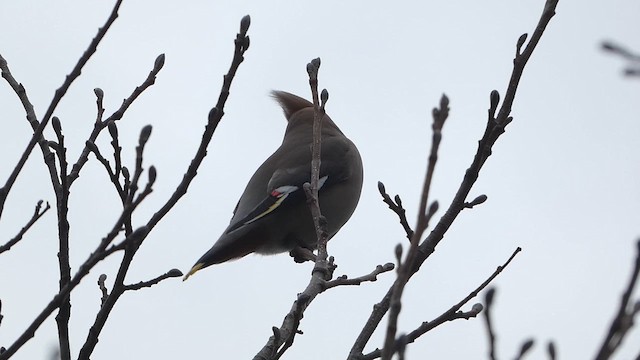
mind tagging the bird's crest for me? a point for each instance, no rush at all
(290, 103)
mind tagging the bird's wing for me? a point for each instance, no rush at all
(286, 184)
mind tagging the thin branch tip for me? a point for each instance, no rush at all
(159, 63)
(245, 22)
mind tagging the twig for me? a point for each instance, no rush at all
(99, 125)
(37, 214)
(524, 348)
(551, 350)
(215, 115)
(406, 269)
(311, 190)
(453, 313)
(283, 336)
(103, 288)
(495, 127)
(623, 320)
(57, 300)
(371, 277)
(31, 117)
(633, 69)
(142, 284)
(112, 174)
(488, 301)
(64, 313)
(131, 247)
(396, 207)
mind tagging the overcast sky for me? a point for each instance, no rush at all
(563, 182)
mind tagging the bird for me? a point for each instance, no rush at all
(272, 215)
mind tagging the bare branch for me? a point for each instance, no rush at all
(215, 115)
(37, 214)
(396, 207)
(623, 320)
(371, 277)
(107, 166)
(551, 350)
(495, 127)
(406, 269)
(453, 313)
(64, 314)
(311, 190)
(283, 337)
(524, 348)
(95, 257)
(103, 288)
(142, 284)
(633, 68)
(117, 115)
(132, 245)
(488, 301)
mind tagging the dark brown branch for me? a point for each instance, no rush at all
(551, 350)
(107, 166)
(31, 117)
(488, 301)
(623, 321)
(60, 186)
(495, 127)
(283, 336)
(142, 284)
(117, 156)
(453, 312)
(37, 214)
(215, 115)
(99, 254)
(411, 337)
(64, 314)
(311, 190)
(396, 207)
(406, 269)
(131, 247)
(95, 257)
(103, 288)
(633, 69)
(524, 348)
(371, 277)
(117, 115)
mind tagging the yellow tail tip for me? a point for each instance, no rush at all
(193, 270)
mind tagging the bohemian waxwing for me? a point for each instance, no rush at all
(272, 215)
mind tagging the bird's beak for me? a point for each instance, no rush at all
(193, 270)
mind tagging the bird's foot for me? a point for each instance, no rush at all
(300, 255)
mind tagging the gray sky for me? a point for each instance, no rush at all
(562, 182)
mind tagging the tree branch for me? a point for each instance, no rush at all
(371, 277)
(495, 127)
(406, 269)
(99, 125)
(396, 207)
(142, 284)
(37, 214)
(623, 321)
